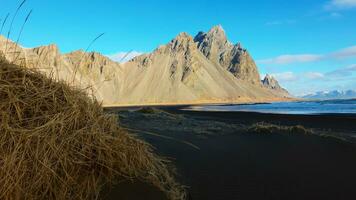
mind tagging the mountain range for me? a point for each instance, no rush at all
(206, 68)
(335, 94)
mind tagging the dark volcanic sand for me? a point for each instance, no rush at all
(233, 164)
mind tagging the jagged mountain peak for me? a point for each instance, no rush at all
(181, 50)
(89, 58)
(216, 47)
(91, 55)
(50, 46)
(182, 36)
(182, 42)
(217, 28)
(218, 33)
(271, 83)
(268, 77)
(214, 39)
(212, 44)
(48, 49)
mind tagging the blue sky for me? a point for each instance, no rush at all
(309, 45)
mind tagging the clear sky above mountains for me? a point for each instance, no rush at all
(308, 45)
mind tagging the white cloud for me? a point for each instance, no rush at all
(351, 68)
(339, 74)
(285, 76)
(314, 75)
(340, 4)
(123, 57)
(345, 53)
(343, 72)
(336, 75)
(335, 15)
(315, 81)
(280, 22)
(291, 76)
(288, 59)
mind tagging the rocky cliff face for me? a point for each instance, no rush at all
(216, 47)
(214, 43)
(206, 69)
(271, 83)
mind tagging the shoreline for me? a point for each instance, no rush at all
(200, 103)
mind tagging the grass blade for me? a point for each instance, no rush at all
(21, 30)
(4, 22)
(12, 22)
(86, 50)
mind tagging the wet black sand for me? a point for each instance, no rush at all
(234, 164)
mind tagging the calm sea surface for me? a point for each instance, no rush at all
(306, 107)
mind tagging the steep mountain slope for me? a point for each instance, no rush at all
(206, 69)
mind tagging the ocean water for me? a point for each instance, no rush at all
(304, 107)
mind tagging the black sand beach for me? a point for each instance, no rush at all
(217, 158)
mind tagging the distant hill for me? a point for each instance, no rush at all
(335, 94)
(206, 68)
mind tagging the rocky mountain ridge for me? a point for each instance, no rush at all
(187, 70)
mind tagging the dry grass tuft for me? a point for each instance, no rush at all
(149, 110)
(56, 143)
(267, 128)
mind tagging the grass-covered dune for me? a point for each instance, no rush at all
(56, 143)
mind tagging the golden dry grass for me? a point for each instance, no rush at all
(56, 143)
